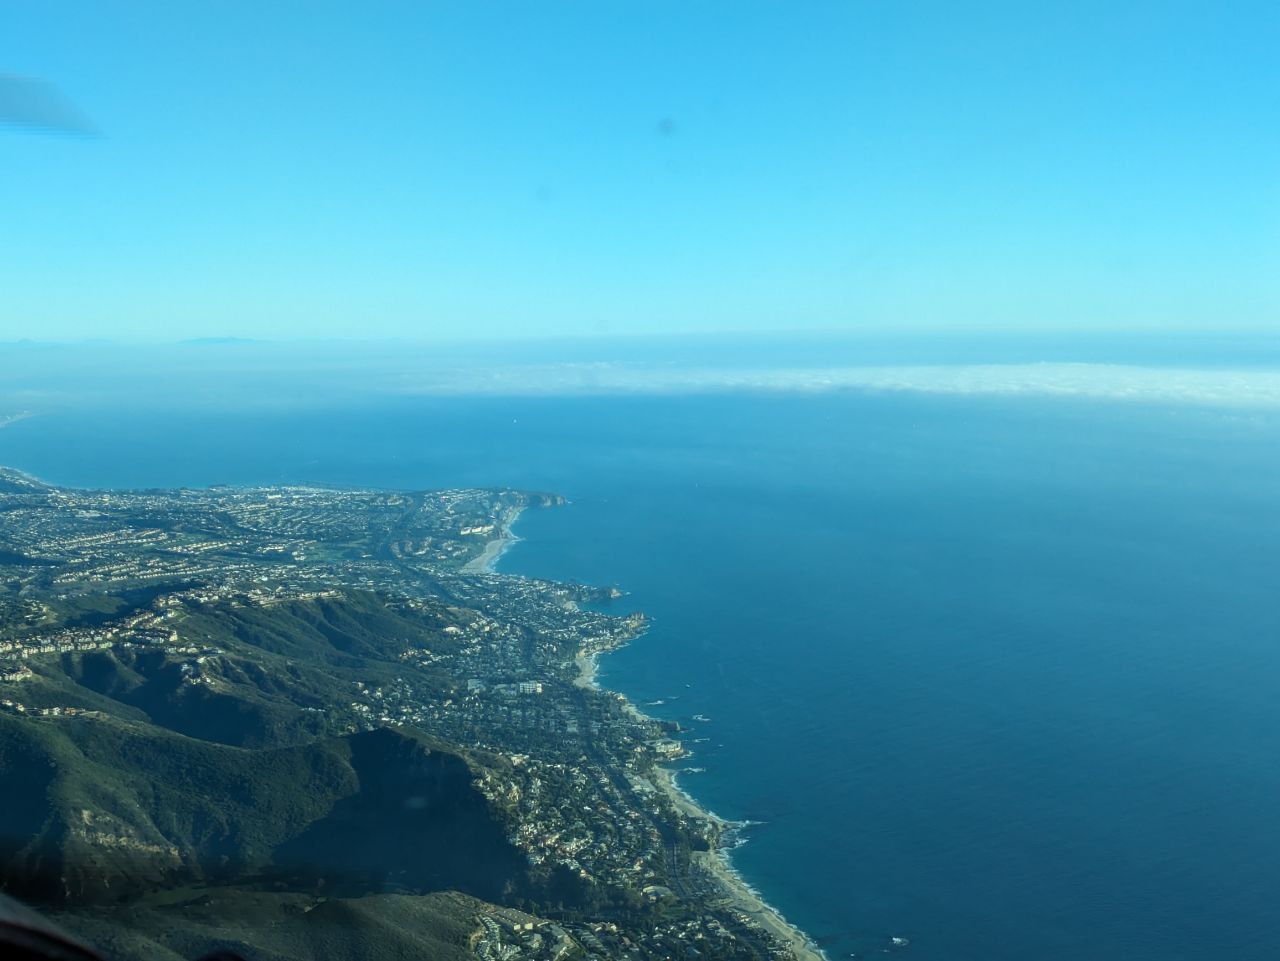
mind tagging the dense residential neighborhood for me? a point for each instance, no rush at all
(128, 608)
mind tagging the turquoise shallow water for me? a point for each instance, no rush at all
(997, 677)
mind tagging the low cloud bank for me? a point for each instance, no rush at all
(1233, 387)
(284, 376)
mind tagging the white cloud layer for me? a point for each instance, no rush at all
(1232, 387)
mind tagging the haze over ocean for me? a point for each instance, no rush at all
(996, 675)
(915, 366)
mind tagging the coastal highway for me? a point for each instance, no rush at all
(682, 882)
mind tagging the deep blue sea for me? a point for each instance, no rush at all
(1001, 677)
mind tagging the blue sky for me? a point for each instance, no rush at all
(459, 170)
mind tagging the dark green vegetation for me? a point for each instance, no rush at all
(181, 924)
(247, 774)
(258, 784)
(299, 724)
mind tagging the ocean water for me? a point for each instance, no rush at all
(1001, 677)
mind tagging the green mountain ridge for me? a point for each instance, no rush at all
(297, 723)
(241, 774)
(282, 926)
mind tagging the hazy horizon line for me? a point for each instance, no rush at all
(912, 332)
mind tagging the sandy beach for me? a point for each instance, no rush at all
(745, 900)
(586, 670)
(495, 548)
(737, 893)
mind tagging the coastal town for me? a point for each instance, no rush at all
(497, 667)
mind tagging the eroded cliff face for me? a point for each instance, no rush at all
(540, 499)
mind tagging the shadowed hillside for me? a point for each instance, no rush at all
(270, 926)
(105, 810)
(415, 823)
(165, 781)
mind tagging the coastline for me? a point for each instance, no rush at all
(485, 562)
(737, 894)
(732, 892)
